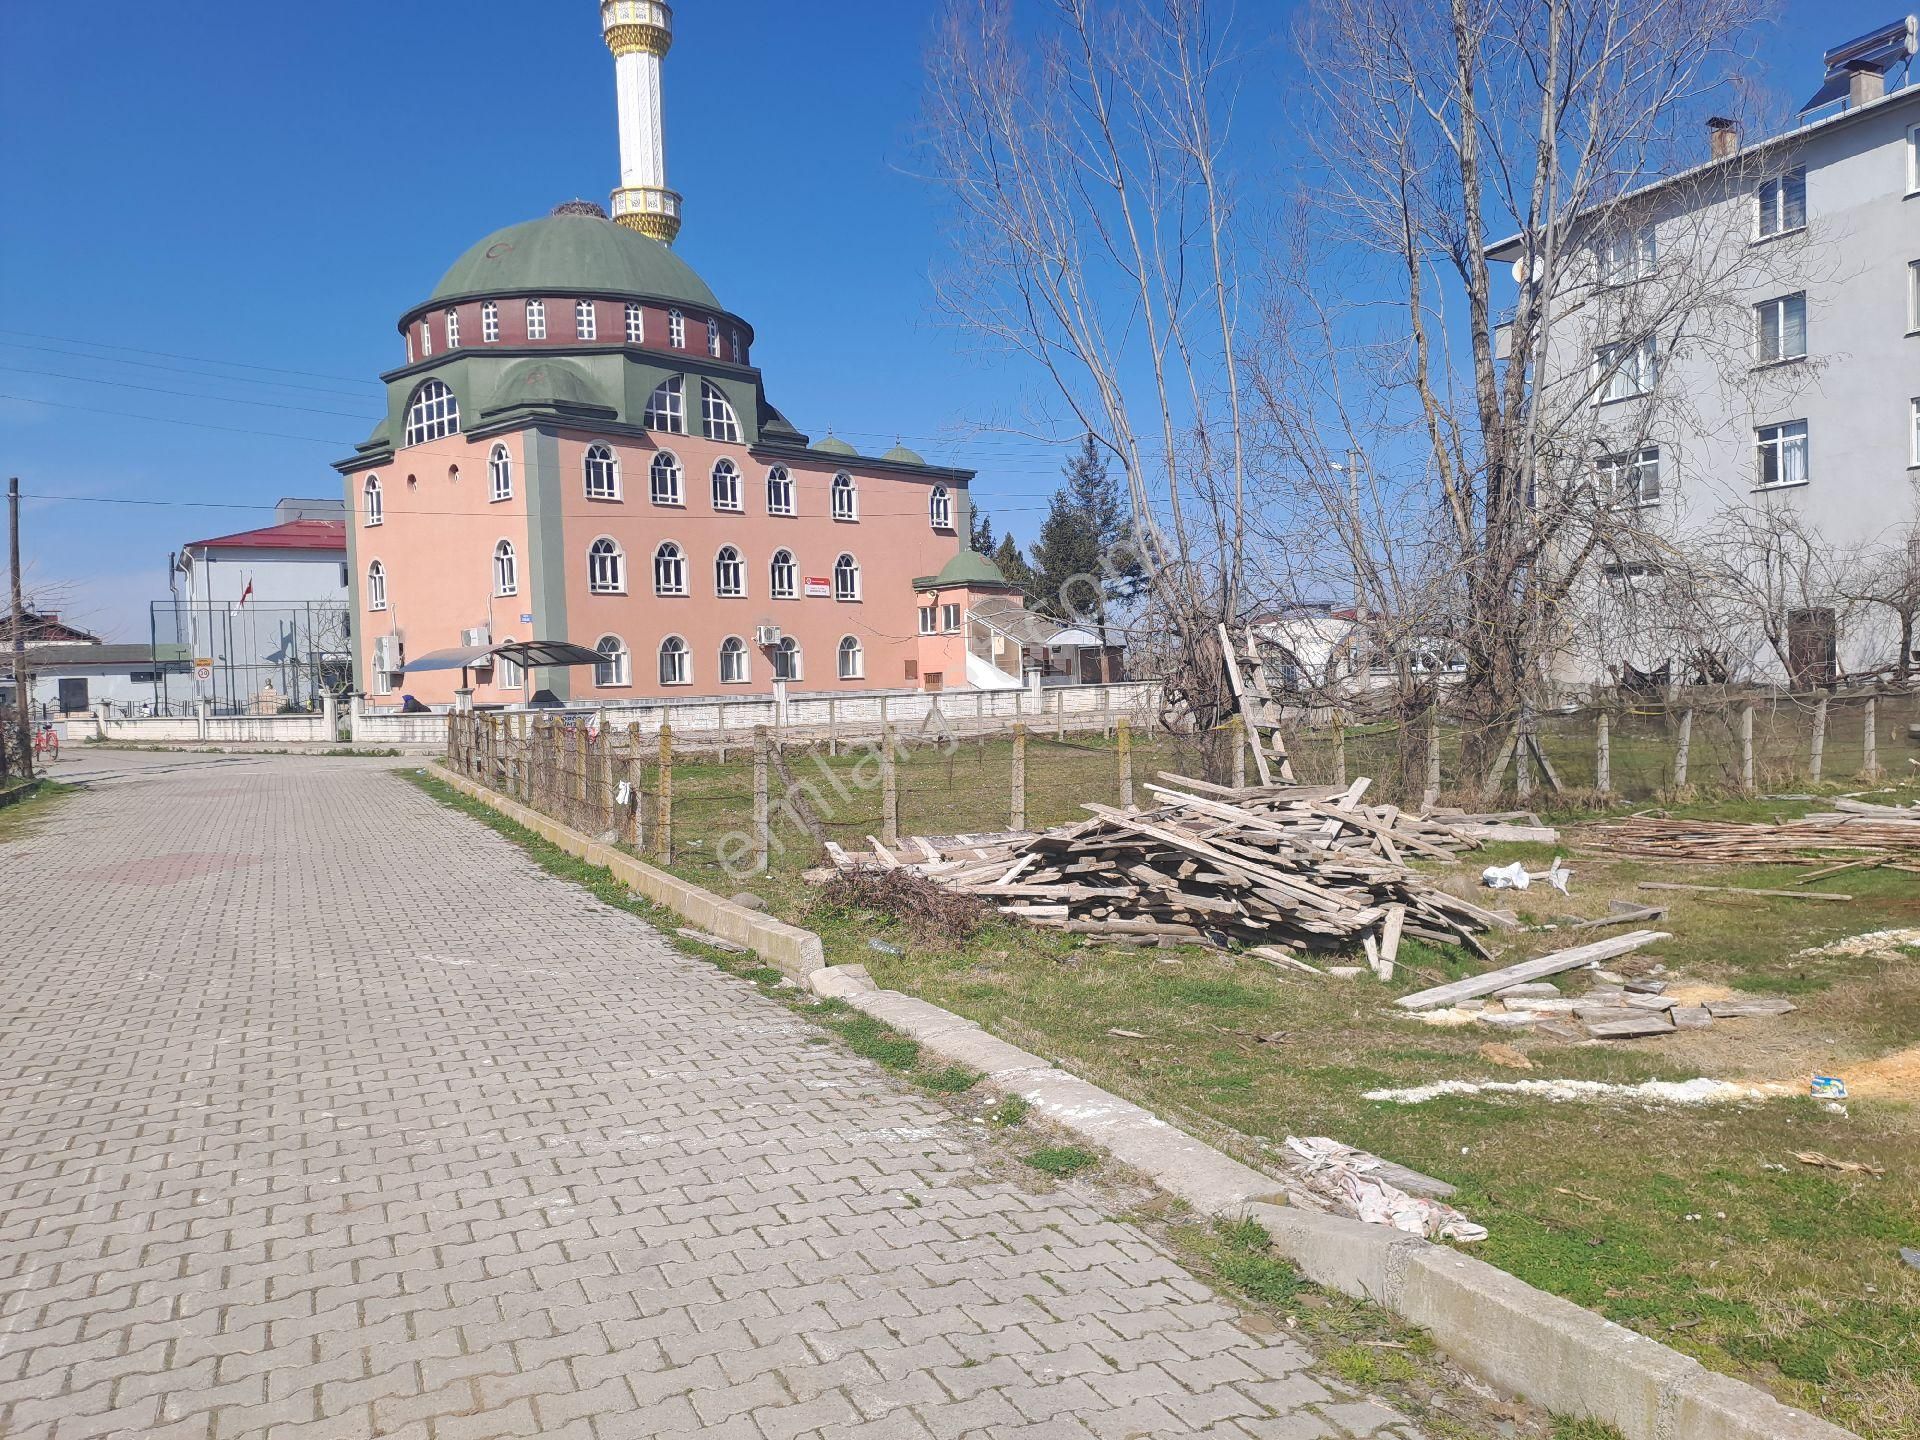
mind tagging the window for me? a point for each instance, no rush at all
(602, 472)
(726, 485)
(846, 578)
(738, 351)
(845, 498)
(940, 508)
(853, 663)
(666, 408)
(717, 416)
(779, 491)
(636, 324)
(1781, 327)
(1783, 203)
(382, 683)
(1626, 256)
(490, 327)
(606, 568)
(499, 474)
(786, 659)
(783, 575)
(433, 414)
(733, 661)
(426, 338)
(663, 479)
(713, 338)
(928, 623)
(506, 579)
(1633, 478)
(1913, 297)
(409, 346)
(615, 666)
(586, 322)
(669, 570)
(536, 319)
(729, 573)
(1913, 427)
(371, 491)
(950, 618)
(453, 329)
(1782, 453)
(1623, 371)
(507, 674)
(376, 586)
(1626, 572)
(1913, 159)
(676, 330)
(676, 663)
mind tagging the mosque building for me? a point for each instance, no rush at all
(579, 447)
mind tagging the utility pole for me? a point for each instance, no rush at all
(22, 726)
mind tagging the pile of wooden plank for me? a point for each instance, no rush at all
(1281, 870)
(1851, 829)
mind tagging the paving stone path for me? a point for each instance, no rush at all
(324, 1113)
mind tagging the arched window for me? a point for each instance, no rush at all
(846, 501)
(733, 661)
(506, 574)
(713, 338)
(602, 472)
(664, 479)
(490, 327)
(786, 659)
(940, 508)
(667, 408)
(432, 414)
(676, 662)
(453, 329)
(371, 490)
(729, 574)
(853, 661)
(615, 666)
(846, 578)
(376, 586)
(586, 324)
(636, 323)
(536, 319)
(606, 568)
(426, 336)
(717, 416)
(726, 486)
(499, 474)
(676, 330)
(507, 674)
(779, 491)
(784, 577)
(669, 570)
(739, 350)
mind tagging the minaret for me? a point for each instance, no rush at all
(639, 32)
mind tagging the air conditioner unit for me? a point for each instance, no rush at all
(766, 635)
(476, 637)
(389, 654)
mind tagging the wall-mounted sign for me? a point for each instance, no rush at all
(819, 586)
(526, 619)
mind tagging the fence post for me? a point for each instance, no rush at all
(1106, 709)
(889, 790)
(1817, 748)
(1870, 743)
(1339, 746)
(1059, 714)
(833, 725)
(721, 730)
(1603, 753)
(1123, 750)
(1019, 806)
(1237, 732)
(1431, 795)
(630, 812)
(523, 780)
(1746, 746)
(762, 839)
(663, 820)
(1680, 749)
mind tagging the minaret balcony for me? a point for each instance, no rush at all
(652, 210)
(637, 26)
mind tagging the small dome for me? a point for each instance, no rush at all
(834, 445)
(901, 455)
(970, 567)
(573, 253)
(544, 381)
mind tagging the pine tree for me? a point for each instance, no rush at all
(1084, 535)
(980, 528)
(1013, 565)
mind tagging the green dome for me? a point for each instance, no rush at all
(970, 567)
(834, 445)
(544, 381)
(567, 254)
(901, 455)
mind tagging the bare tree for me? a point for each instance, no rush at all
(1887, 581)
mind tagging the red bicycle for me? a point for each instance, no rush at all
(46, 743)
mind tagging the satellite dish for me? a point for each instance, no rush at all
(1520, 269)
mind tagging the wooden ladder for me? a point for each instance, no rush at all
(1258, 707)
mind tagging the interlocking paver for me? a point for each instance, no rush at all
(323, 1112)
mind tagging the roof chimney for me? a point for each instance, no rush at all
(1723, 137)
(1865, 84)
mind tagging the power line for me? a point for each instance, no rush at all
(670, 515)
(176, 370)
(184, 394)
(197, 359)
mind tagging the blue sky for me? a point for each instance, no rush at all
(268, 187)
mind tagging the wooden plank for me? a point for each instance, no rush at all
(1630, 1027)
(1475, 986)
(1741, 890)
(1390, 930)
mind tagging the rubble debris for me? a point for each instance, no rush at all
(1668, 1092)
(1745, 890)
(1537, 969)
(1356, 1183)
(1869, 831)
(1845, 1167)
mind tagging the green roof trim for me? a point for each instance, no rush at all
(564, 254)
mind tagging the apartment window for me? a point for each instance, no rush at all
(928, 623)
(940, 508)
(1913, 429)
(846, 578)
(606, 568)
(1627, 572)
(602, 472)
(499, 474)
(1626, 256)
(676, 330)
(615, 666)
(950, 618)
(536, 319)
(733, 661)
(676, 662)
(729, 573)
(1632, 478)
(782, 576)
(1783, 203)
(666, 408)
(382, 683)
(717, 416)
(669, 570)
(1913, 297)
(636, 324)
(507, 673)
(779, 491)
(376, 586)
(1782, 453)
(371, 492)
(433, 414)
(490, 323)
(726, 486)
(786, 659)
(845, 498)
(453, 329)
(506, 575)
(1623, 371)
(586, 321)
(713, 338)
(1913, 159)
(853, 661)
(1781, 326)
(663, 479)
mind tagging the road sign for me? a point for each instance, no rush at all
(202, 669)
